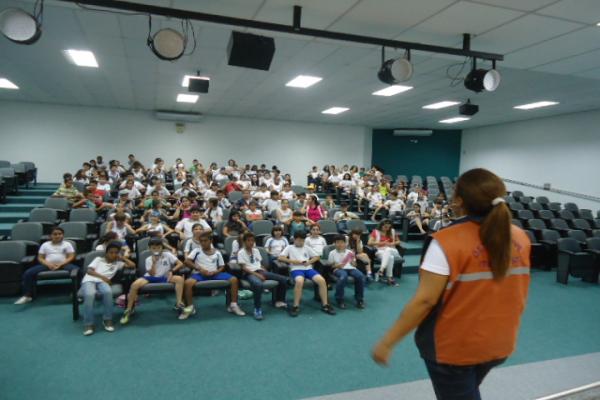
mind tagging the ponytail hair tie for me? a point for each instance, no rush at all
(497, 201)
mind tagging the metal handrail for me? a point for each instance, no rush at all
(559, 191)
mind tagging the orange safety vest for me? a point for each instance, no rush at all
(477, 318)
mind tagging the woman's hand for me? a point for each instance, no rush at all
(381, 354)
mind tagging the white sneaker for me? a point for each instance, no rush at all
(280, 304)
(89, 330)
(187, 311)
(24, 300)
(234, 308)
(108, 326)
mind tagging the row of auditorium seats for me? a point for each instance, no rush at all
(14, 175)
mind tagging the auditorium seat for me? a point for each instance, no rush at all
(575, 262)
(560, 225)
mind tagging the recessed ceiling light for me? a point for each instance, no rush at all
(186, 79)
(392, 90)
(335, 110)
(303, 81)
(537, 104)
(454, 120)
(441, 104)
(598, 24)
(82, 58)
(187, 98)
(6, 84)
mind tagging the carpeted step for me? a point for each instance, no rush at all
(36, 192)
(20, 199)
(13, 217)
(18, 207)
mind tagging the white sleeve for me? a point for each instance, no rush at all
(220, 261)
(43, 249)
(435, 260)
(95, 262)
(193, 254)
(286, 251)
(172, 259)
(242, 257)
(148, 263)
(69, 247)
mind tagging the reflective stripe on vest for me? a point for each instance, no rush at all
(480, 276)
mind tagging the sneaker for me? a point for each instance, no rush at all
(360, 304)
(24, 300)
(234, 308)
(125, 318)
(280, 304)
(294, 311)
(341, 304)
(369, 278)
(88, 330)
(328, 309)
(187, 311)
(108, 325)
(392, 282)
(258, 315)
(178, 307)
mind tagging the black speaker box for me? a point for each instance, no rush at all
(468, 109)
(250, 51)
(198, 85)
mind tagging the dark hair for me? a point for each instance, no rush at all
(113, 245)
(297, 214)
(356, 231)
(248, 235)
(339, 238)
(120, 217)
(194, 209)
(155, 241)
(299, 235)
(344, 204)
(477, 189)
(108, 236)
(384, 222)
(57, 228)
(206, 235)
(276, 228)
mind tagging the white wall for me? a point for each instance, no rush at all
(58, 138)
(563, 151)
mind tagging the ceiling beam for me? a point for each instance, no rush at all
(294, 29)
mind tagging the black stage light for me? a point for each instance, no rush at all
(482, 79)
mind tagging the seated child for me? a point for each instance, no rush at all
(343, 262)
(208, 265)
(249, 260)
(300, 259)
(160, 268)
(98, 279)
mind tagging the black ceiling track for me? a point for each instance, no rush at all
(294, 29)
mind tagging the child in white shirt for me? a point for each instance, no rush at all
(300, 259)
(343, 262)
(98, 279)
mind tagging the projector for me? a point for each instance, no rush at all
(468, 108)
(198, 85)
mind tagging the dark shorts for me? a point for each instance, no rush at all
(223, 276)
(155, 279)
(306, 273)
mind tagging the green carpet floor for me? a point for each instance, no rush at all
(215, 355)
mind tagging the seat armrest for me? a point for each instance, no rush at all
(571, 253)
(28, 260)
(74, 273)
(548, 242)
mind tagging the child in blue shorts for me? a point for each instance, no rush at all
(160, 267)
(300, 259)
(208, 265)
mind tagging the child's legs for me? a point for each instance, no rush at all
(298, 284)
(189, 291)
(359, 283)
(178, 281)
(107, 300)
(88, 290)
(320, 281)
(133, 292)
(256, 285)
(342, 279)
(364, 258)
(29, 278)
(281, 288)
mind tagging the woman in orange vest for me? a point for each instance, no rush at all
(473, 286)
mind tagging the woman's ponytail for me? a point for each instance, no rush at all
(482, 195)
(496, 238)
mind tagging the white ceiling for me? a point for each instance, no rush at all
(552, 50)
